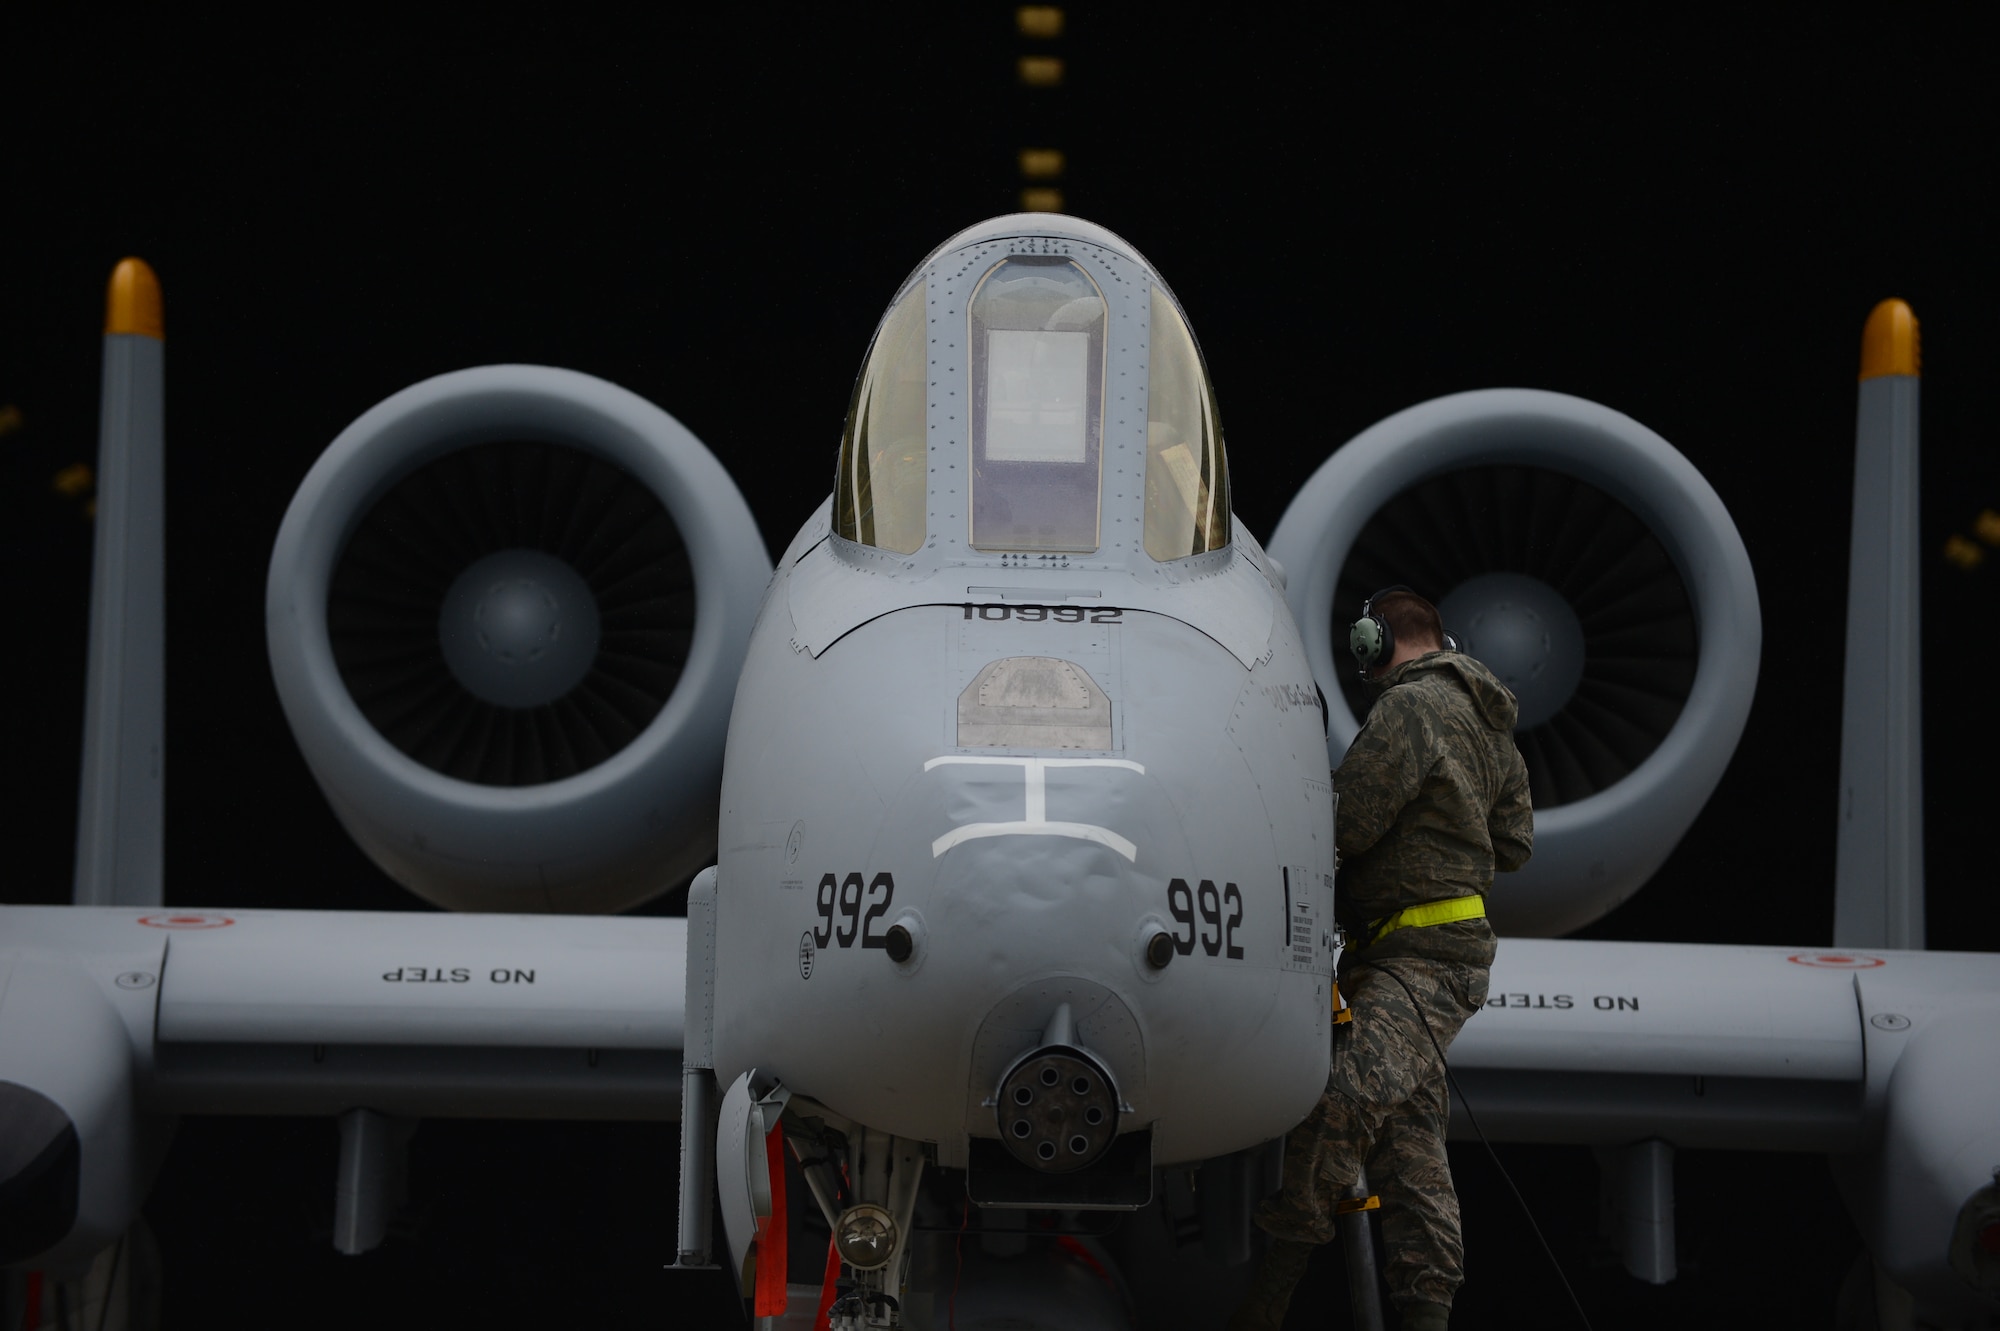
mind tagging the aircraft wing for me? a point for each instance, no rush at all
(311, 1012)
(1883, 1059)
(1757, 1048)
(114, 1019)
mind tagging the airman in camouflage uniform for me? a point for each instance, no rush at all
(1433, 798)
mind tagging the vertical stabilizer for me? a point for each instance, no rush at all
(1879, 879)
(120, 814)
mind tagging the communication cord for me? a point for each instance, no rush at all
(1474, 1120)
(958, 1268)
(111, 1281)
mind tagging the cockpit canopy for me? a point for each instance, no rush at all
(1037, 340)
(1035, 352)
(1187, 476)
(878, 493)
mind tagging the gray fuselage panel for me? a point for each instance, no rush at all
(1028, 876)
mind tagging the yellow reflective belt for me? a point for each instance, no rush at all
(1429, 913)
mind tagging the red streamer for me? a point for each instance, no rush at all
(772, 1256)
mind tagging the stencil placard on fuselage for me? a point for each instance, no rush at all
(1308, 944)
(990, 632)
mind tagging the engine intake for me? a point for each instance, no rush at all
(506, 612)
(1589, 623)
(512, 613)
(1588, 563)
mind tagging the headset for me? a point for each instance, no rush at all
(1372, 640)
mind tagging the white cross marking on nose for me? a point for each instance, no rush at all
(1036, 823)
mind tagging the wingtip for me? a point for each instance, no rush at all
(1889, 341)
(132, 302)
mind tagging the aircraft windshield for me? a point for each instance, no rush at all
(879, 487)
(1187, 477)
(1037, 338)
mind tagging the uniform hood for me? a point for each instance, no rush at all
(1494, 700)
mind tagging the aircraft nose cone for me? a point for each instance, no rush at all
(1522, 630)
(519, 628)
(518, 620)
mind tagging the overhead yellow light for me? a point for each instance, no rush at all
(1963, 552)
(73, 480)
(1987, 526)
(1042, 71)
(10, 419)
(1041, 163)
(1040, 21)
(1041, 199)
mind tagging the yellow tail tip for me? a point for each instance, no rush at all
(1889, 341)
(132, 303)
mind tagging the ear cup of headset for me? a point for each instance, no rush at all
(1371, 640)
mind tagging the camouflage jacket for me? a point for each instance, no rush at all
(1433, 798)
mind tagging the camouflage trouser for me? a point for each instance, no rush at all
(1386, 1107)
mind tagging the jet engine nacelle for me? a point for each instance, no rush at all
(506, 612)
(1588, 563)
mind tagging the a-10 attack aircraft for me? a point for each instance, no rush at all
(1014, 778)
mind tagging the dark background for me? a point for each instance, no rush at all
(1686, 218)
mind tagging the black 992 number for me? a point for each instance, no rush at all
(844, 896)
(1215, 932)
(1053, 614)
